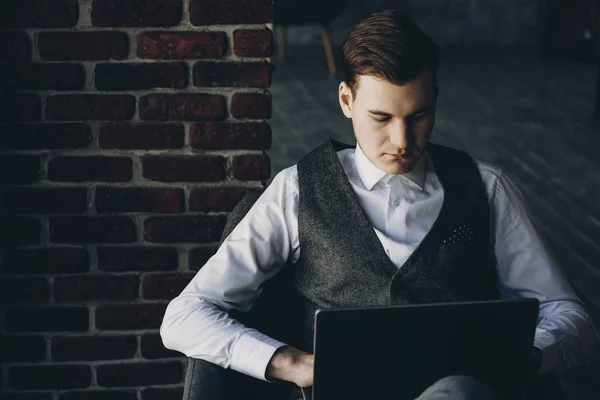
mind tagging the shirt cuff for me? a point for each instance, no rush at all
(550, 347)
(252, 352)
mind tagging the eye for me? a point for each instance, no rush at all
(420, 115)
(381, 121)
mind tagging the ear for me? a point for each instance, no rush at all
(345, 98)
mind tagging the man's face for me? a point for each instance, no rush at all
(392, 124)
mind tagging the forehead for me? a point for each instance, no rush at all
(377, 92)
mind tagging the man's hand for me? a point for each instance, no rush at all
(292, 365)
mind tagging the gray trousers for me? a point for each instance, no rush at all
(454, 387)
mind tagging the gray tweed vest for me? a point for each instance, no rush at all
(343, 263)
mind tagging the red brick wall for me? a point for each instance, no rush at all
(128, 130)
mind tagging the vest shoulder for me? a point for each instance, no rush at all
(488, 170)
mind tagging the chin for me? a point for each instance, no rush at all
(399, 170)
(398, 167)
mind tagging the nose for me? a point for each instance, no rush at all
(400, 135)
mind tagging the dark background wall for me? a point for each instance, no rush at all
(128, 129)
(556, 28)
(449, 22)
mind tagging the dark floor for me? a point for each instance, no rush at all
(531, 117)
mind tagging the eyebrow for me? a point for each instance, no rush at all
(385, 114)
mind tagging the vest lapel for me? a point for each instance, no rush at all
(347, 203)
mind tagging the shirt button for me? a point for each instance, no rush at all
(395, 203)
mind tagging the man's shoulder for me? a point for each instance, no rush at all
(492, 177)
(287, 178)
(489, 170)
(290, 173)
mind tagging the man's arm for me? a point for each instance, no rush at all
(526, 268)
(197, 323)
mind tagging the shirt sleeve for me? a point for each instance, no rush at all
(197, 324)
(565, 333)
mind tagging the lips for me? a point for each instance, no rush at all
(397, 156)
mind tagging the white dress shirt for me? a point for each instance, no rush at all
(401, 209)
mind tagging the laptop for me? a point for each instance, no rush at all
(397, 352)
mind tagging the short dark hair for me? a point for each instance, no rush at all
(389, 45)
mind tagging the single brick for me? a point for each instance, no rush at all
(131, 316)
(19, 168)
(251, 105)
(147, 136)
(228, 12)
(15, 46)
(188, 229)
(82, 107)
(45, 136)
(183, 168)
(199, 256)
(121, 259)
(141, 76)
(24, 290)
(46, 319)
(170, 393)
(39, 14)
(152, 348)
(95, 287)
(253, 43)
(153, 200)
(80, 46)
(164, 286)
(43, 76)
(98, 395)
(215, 199)
(122, 13)
(186, 107)
(54, 260)
(181, 45)
(251, 167)
(230, 136)
(90, 348)
(22, 348)
(90, 169)
(56, 377)
(20, 107)
(232, 74)
(46, 200)
(114, 229)
(18, 230)
(140, 374)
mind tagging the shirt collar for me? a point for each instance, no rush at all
(370, 174)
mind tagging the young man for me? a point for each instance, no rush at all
(394, 220)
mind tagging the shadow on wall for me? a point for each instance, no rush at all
(449, 22)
